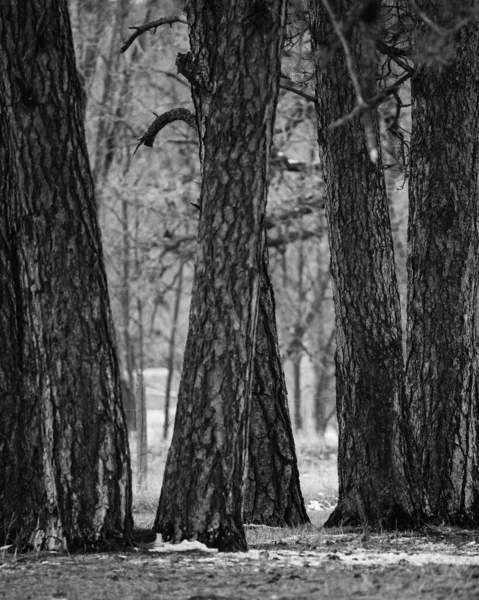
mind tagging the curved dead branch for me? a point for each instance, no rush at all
(175, 114)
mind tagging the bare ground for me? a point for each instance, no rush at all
(434, 564)
(310, 563)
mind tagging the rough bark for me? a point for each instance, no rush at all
(374, 484)
(271, 489)
(65, 480)
(442, 276)
(271, 494)
(201, 493)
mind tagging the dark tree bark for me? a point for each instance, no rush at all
(442, 275)
(65, 480)
(271, 494)
(374, 482)
(201, 493)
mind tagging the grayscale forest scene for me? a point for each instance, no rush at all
(239, 264)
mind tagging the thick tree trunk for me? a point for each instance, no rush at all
(442, 277)
(201, 493)
(65, 479)
(271, 494)
(374, 485)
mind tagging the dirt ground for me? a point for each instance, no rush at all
(308, 563)
(434, 564)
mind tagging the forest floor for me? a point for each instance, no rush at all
(308, 562)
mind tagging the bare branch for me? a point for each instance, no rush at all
(434, 26)
(152, 25)
(362, 107)
(176, 114)
(290, 88)
(397, 55)
(349, 61)
(375, 101)
(356, 112)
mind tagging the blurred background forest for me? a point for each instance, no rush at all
(146, 205)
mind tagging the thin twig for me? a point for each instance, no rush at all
(152, 25)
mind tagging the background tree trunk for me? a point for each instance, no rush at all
(272, 494)
(65, 479)
(201, 493)
(172, 348)
(374, 487)
(442, 276)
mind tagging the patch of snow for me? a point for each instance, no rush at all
(357, 558)
(419, 559)
(184, 546)
(316, 505)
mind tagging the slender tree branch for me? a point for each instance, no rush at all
(396, 54)
(176, 114)
(290, 88)
(356, 112)
(375, 101)
(441, 31)
(362, 107)
(152, 25)
(347, 53)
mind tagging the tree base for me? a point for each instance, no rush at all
(226, 538)
(395, 518)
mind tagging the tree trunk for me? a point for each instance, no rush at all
(141, 412)
(298, 343)
(115, 91)
(323, 379)
(442, 277)
(240, 49)
(374, 484)
(271, 494)
(125, 299)
(65, 479)
(172, 349)
(298, 419)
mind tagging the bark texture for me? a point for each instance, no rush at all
(65, 480)
(374, 485)
(442, 275)
(272, 493)
(201, 493)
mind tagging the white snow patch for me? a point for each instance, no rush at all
(316, 505)
(292, 558)
(363, 557)
(184, 546)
